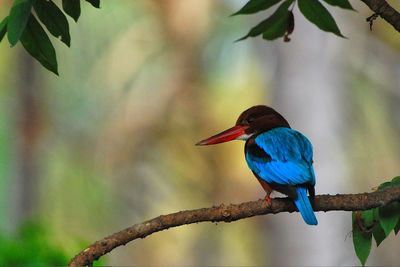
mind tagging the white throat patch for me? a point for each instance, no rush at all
(244, 137)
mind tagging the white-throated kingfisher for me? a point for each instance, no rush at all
(279, 157)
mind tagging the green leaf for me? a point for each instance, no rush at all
(3, 28)
(378, 233)
(271, 25)
(396, 180)
(37, 43)
(389, 216)
(397, 228)
(361, 241)
(95, 3)
(384, 185)
(17, 20)
(254, 6)
(316, 13)
(54, 19)
(368, 217)
(72, 8)
(278, 29)
(340, 3)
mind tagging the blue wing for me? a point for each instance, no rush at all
(289, 160)
(283, 158)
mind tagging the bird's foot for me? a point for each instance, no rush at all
(268, 199)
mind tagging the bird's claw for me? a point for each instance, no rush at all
(268, 199)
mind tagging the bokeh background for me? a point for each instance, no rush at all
(110, 142)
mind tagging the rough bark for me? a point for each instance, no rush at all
(232, 212)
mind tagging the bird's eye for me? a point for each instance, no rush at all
(250, 119)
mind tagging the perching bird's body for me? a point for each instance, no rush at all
(280, 158)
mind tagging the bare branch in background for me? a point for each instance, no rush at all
(386, 11)
(233, 212)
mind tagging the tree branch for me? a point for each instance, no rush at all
(387, 12)
(233, 212)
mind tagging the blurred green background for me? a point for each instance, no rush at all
(110, 142)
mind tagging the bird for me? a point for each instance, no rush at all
(280, 158)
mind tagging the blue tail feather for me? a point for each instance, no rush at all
(304, 206)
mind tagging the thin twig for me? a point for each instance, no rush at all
(233, 212)
(371, 19)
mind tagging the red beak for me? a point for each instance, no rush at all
(225, 136)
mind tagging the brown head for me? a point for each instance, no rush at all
(253, 121)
